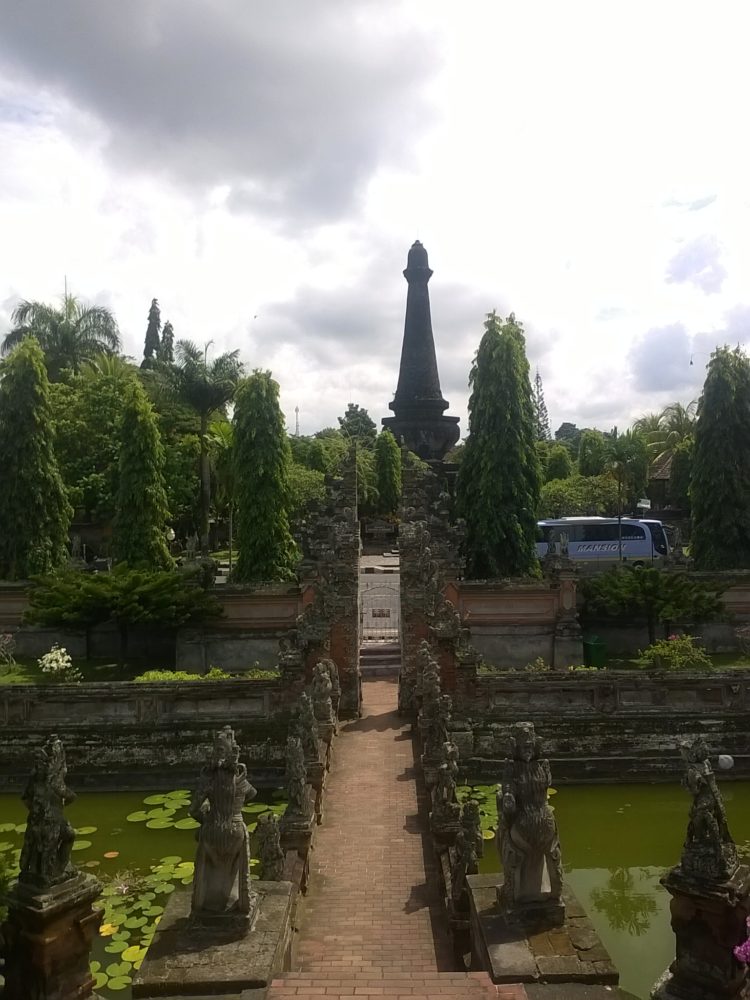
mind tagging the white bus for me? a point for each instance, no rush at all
(596, 540)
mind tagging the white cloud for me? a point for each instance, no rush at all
(264, 176)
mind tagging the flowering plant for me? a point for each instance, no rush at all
(742, 951)
(59, 664)
(678, 652)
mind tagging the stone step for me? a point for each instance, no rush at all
(414, 986)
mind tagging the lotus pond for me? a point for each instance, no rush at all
(142, 848)
(617, 840)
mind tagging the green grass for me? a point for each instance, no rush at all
(28, 671)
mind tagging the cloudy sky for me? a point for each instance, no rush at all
(262, 166)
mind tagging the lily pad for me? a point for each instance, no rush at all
(7, 827)
(155, 800)
(153, 911)
(100, 979)
(188, 823)
(172, 859)
(118, 969)
(6, 846)
(111, 854)
(106, 930)
(119, 983)
(488, 835)
(134, 922)
(133, 953)
(21, 828)
(84, 831)
(80, 845)
(137, 817)
(255, 807)
(160, 824)
(116, 947)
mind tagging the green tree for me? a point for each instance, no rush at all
(720, 485)
(165, 353)
(656, 595)
(206, 388)
(87, 411)
(559, 465)
(627, 461)
(262, 467)
(569, 435)
(68, 335)
(139, 530)
(34, 509)
(499, 481)
(126, 596)
(357, 425)
(592, 453)
(388, 472)
(679, 474)
(579, 496)
(541, 415)
(152, 344)
(306, 487)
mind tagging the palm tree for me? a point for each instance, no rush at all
(627, 460)
(221, 440)
(206, 388)
(664, 431)
(68, 335)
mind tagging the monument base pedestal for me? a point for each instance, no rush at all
(509, 953)
(189, 959)
(48, 936)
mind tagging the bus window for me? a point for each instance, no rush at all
(658, 537)
(632, 532)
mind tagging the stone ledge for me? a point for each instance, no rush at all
(572, 953)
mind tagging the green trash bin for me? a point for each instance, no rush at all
(594, 652)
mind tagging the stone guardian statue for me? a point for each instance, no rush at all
(48, 840)
(221, 885)
(527, 837)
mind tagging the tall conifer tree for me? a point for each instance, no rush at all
(34, 510)
(720, 485)
(543, 431)
(139, 533)
(263, 458)
(499, 478)
(152, 343)
(388, 472)
(166, 348)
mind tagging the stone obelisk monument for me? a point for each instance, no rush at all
(419, 420)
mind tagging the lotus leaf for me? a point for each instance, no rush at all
(116, 947)
(119, 983)
(188, 823)
(133, 953)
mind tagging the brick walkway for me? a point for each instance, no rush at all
(373, 923)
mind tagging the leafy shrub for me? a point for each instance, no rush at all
(214, 674)
(537, 666)
(59, 665)
(678, 652)
(658, 595)
(578, 668)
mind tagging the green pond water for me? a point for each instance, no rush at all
(141, 846)
(617, 841)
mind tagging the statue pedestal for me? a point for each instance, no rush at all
(48, 935)
(445, 823)
(316, 778)
(326, 732)
(430, 764)
(186, 958)
(296, 829)
(709, 920)
(509, 953)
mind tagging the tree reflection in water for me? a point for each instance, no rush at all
(624, 908)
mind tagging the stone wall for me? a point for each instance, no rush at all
(608, 726)
(128, 735)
